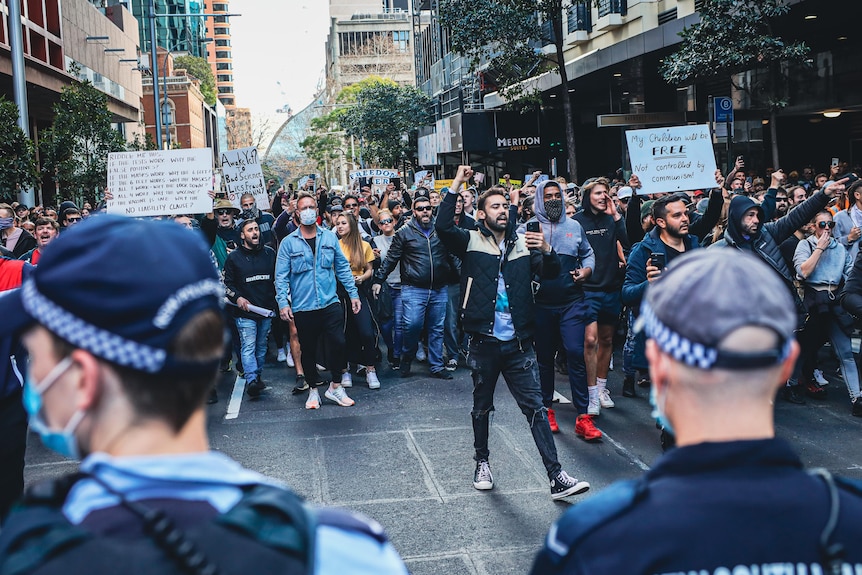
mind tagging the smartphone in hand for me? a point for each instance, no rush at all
(533, 227)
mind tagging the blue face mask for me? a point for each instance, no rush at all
(64, 441)
(658, 411)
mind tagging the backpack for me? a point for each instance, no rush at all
(269, 530)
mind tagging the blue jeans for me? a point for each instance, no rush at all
(423, 307)
(252, 338)
(452, 340)
(391, 328)
(566, 324)
(489, 357)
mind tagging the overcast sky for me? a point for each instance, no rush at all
(278, 41)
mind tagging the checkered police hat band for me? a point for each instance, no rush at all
(97, 341)
(701, 356)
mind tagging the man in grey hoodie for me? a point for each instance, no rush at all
(560, 306)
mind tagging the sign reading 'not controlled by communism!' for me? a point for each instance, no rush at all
(672, 159)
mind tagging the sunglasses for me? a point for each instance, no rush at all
(422, 209)
(824, 225)
(781, 199)
(79, 219)
(223, 212)
(384, 222)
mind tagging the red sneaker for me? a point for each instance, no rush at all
(584, 427)
(552, 421)
(814, 391)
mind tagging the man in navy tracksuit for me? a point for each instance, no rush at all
(560, 306)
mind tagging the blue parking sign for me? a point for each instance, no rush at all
(723, 110)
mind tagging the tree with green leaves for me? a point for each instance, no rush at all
(504, 37)
(736, 36)
(385, 117)
(17, 153)
(142, 144)
(200, 69)
(75, 149)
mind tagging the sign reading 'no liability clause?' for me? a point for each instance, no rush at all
(672, 159)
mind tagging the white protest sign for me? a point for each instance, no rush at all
(672, 159)
(243, 175)
(160, 182)
(379, 177)
(425, 178)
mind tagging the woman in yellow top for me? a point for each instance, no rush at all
(361, 328)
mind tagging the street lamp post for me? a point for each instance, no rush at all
(19, 80)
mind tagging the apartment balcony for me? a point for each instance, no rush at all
(611, 14)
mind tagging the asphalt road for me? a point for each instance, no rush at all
(403, 455)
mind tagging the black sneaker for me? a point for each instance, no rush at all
(395, 363)
(856, 410)
(442, 374)
(629, 386)
(482, 478)
(213, 397)
(790, 393)
(225, 367)
(405, 369)
(301, 385)
(562, 486)
(239, 370)
(254, 387)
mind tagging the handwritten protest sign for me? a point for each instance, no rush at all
(672, 159)
(160, 182)
(243, 175)
(377, 177)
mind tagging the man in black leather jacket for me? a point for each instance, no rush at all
(425, 273)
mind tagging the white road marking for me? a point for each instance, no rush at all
(559, 397)
(619, 447)
(235, 398)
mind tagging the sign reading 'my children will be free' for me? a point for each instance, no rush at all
(672, 159)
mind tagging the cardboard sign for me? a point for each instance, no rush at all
(377, 177)
(243, 175)
(160, 182)
(672, 159)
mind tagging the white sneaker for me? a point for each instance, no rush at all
(420, 353)
(371, 378)
(290, 362)
(605, 400)
(281, 357)
(339, 396)
(818, 377)
(346, 379)
(313, 401)
(593, 406)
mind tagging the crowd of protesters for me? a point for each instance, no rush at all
(460, 277)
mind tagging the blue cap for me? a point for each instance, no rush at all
(121, 289)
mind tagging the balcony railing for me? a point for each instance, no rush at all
(579, 18)
(612, 7)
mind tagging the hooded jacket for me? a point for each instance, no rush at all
(765, 244)
(483, 261)
(568, 239)
(603, 233)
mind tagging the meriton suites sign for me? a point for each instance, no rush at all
(515, 144)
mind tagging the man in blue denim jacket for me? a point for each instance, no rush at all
(309, 261)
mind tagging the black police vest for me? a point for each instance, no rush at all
(269, 531)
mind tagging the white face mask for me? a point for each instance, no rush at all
(308, 216)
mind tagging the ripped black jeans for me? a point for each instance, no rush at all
(489, 357)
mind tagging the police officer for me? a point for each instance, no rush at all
(731, 498)
(123, 351)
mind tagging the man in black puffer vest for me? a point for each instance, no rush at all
(498, 267)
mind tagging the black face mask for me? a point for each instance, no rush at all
(554, 209)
